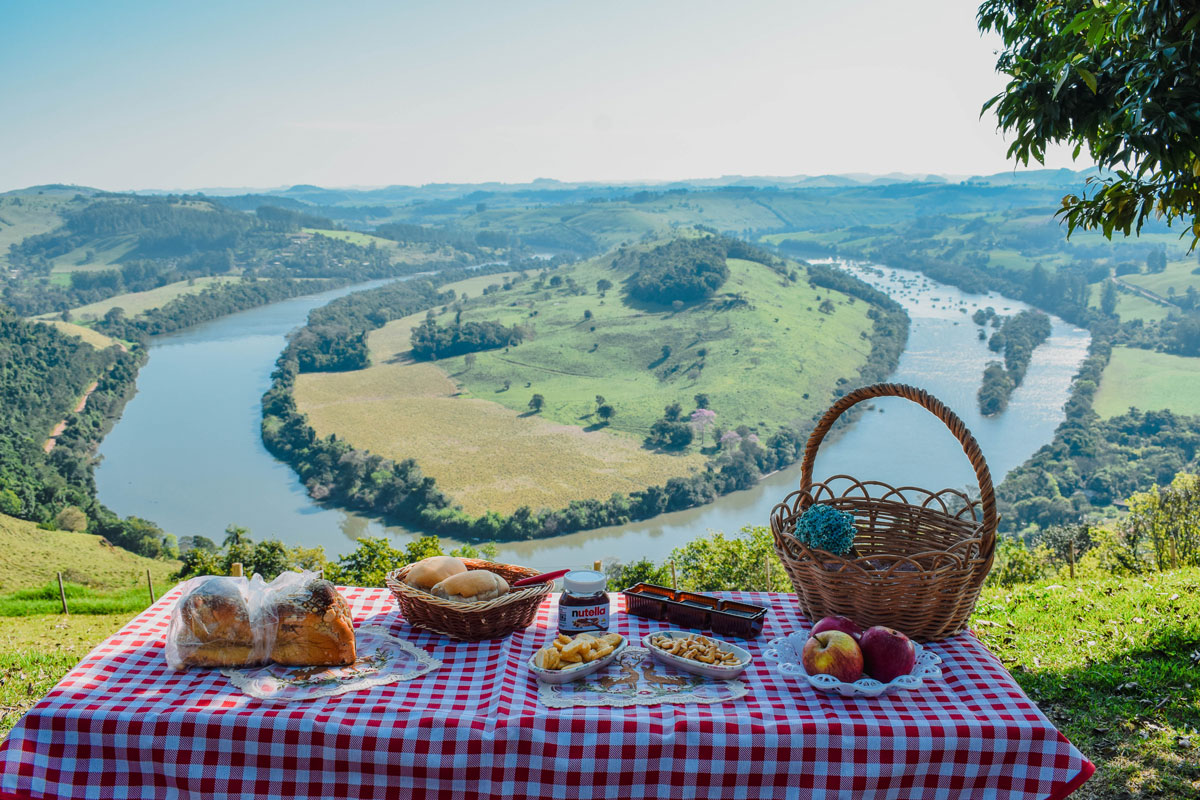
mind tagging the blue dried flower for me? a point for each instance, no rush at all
(826, 528)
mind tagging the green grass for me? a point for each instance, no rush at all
(36, 652)
(1115, 665)
(757, 362)
(80, 600)
(1150, 381)
(31, 557)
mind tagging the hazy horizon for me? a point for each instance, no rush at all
(416, 93)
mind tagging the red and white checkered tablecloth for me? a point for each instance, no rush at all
(123, 725)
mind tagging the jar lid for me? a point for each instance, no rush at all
(585, 581)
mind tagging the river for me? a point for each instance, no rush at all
(187, 453)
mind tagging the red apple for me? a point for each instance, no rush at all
(833, 653)
(843, 624)
(887, 653)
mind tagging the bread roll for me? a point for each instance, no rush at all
(314, 626)
(429, 572)
(474, 586)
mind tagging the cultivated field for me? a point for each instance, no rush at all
(136, 303)
(1149, 381)
(488, 451)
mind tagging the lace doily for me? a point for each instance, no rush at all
(382, 659)
(636, 679)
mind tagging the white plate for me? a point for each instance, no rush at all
(720, 672)
(579, 670)
(785, 652)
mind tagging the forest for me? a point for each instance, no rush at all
(42, 373)
(682, 270)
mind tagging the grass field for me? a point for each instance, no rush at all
(26, 214)
(93, 337)
(30, 557)
(1115, 665)
(484, 447)
(414, 253)
(757, 363)
(484, 455)
(1130, 306)
(1178, 276)
(136, 303)
(35, 652)
(105, 253)
(1150, 381)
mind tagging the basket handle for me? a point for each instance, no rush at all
(929, 403)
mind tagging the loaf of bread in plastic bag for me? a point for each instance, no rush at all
(297, 619)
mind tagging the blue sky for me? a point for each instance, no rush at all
(125, 95)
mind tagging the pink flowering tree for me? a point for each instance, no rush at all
(730, 439)
(702, 420)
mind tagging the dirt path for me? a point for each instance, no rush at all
(62, 426)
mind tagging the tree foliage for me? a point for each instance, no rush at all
(1119, 78)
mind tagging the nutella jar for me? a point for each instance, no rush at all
(584, 602)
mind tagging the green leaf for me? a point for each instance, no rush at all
(1088, 78)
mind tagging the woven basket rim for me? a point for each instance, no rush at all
(395, 582)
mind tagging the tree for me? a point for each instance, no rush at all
(826, 306)
(702, 418)
(603, 285)
(236, 535)
(701, 400)
(605, 412)
(1108, 300)
(1156, 260)
(1117, 78)
(536, 403)
(672, 412)
(587, 313)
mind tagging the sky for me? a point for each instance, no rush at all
(145, 94)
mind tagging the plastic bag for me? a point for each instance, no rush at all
(233, 622)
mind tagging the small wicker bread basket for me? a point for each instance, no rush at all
(490, 619)
(919, 558)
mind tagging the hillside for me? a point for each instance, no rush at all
(30, 557)
(760, 348)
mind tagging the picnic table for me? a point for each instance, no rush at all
(122, 724)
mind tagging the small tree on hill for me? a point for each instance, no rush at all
(605, 412)
(603, 285)
(702, 418)
(536, 403)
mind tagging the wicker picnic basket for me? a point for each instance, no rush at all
(490, 619)
(919, 557)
